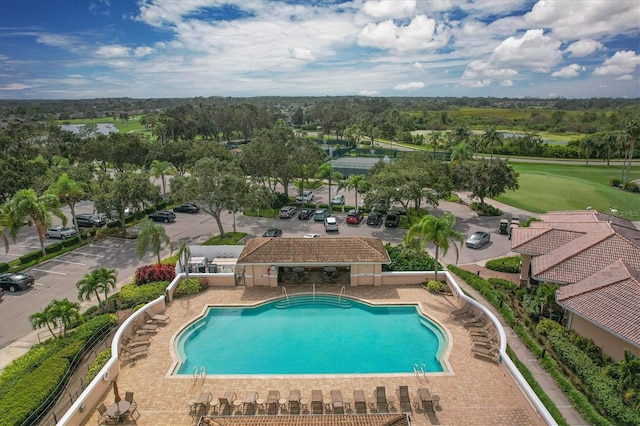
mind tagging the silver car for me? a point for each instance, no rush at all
(60, 232)
(478, 239)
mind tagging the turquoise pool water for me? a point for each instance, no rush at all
(311, 335)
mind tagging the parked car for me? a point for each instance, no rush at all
(321, 215)
(338, 199)
(478, 239)
(163, 216)
(14, 282)
(274, 232)
(311, 236)
(60, 232)
(305, 214)
(88, 220)
(287, 212)
(354, 217)
(305, 197)
(374, 219)
(392, 220)
(330, 224)
(186, 208)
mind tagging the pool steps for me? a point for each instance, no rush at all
(317, 299)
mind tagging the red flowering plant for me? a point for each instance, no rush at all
(153, 273)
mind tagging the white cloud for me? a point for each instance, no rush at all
(58, 40)
(113, 51)
(141, 51)
(389, 9)
(573, 20)
(476, 83)
(300, 53)
(570, 71)
(532, 52)
(506, 83)
(368, 92)
(622, 62)
(15, 86)
(414, 85)
(584, 47)
(421, 33)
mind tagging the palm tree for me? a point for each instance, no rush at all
(631, 134)
(184, 254)
(151, 237)
(353, 182)
(325, 171)
(96, 281)
(492, 138)
(162, 169)
(5, 225)
(66, 313)
(434, 139)
(461, 152)
(44, 318)
(627, 372)
(27, 207)
(70, 192)
(439, 231)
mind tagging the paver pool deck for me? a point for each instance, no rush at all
(475, 392)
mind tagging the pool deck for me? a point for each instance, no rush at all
(475, 392)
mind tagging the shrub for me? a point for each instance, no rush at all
(279, 200)
(4, 267)
(502, 283)
(506, 264)
(189, 287)
(617, 182)
(29, 257)
(70, 241)
(435, 286)
(132, 295)
(151, 273)
(485, 209)
(632, 187)
(53, 248)
(96, 366)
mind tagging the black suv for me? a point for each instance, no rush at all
(163, 216)
(374, 219)
(88, 220)
(392, 220)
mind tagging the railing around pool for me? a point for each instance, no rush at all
(341, 293)
(284, 292)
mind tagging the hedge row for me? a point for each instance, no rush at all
(37, 387)
(53, 248)
(602, 387)
(191, 286)
(4, 267)
(132, 294)
(577, 398)
(30, 257)
(505, 264)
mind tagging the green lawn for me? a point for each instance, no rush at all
(550, 187)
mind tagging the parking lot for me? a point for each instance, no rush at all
(57, 278)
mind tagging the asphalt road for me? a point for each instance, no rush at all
(56, 278)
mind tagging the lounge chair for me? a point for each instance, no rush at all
(483, 348)
(425, 400)
(249, 403)
(156, 318)
(403, 399)
(316, 401)
(272, 402)
(226, 403)
(294, 401)
(485, 340)
(464, 311)
(382, 405)
(359, 403)
(476, 320)
(336, 402)
(139, 338)
(482, 330)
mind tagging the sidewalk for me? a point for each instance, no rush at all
(545, 381)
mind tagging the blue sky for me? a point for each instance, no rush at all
(69, 49)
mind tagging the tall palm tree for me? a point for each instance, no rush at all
(66, 313)
(325, 171)
(151, 237)
(439, 231)
(491, 138)
(44, 318)
(27, 207)
(162, 169)
(5, 225)
(70, 192)
(631, 134)
(434, 139)
(184, 254)
(353, 182)
(461, 152)
(98, 280)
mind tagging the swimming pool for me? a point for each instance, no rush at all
(307, 334)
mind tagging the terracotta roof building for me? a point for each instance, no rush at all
(595, 258)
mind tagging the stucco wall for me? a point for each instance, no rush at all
(610, 344)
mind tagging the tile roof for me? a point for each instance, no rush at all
(609, 297)
(314, 250)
